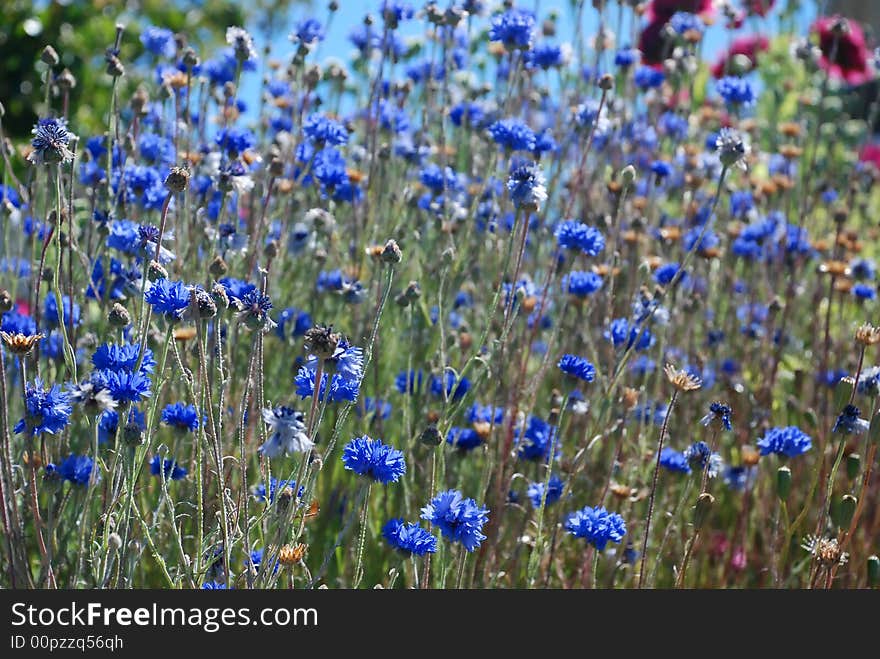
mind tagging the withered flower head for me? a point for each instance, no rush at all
(681, 379)
(322, 341)
(290, 555)
(177, 179)
(825, 550)
(20, 344)
(868, 335)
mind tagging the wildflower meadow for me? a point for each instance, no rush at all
(445, 295)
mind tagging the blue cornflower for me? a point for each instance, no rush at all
(181, 416)
(674, 461)
(409, 382)
(864, 291)
(215, 585)
(683, 21)
(692, 240)
(13, 322)
(862, 269)
(50, 143)
(308, 32)
(159, 41)
(374, 408)
(108, 423)
(869, 381)
(236, 289)
(76, 469)
(536, 440)
(409, 538)
(169, 468)
(122, 357)
(578, 367)
(849, 422)
(155, 149)
(123, 386)
(255, 560)
(168, 298)
(526, 185)
(572, 234)
(437, 179)
(626, 57)
(467, 114)
(581, 283)
(621, 333)
(393, 12)
(322, 131)
(666, 273)
(719, 413)
(661, 169)
(731, 147)
(484, 414)
(276, 487)
(735, 91)
(344, 370)
(596, 525)
(235, 140)
(647, 77)
(50, 311)
(46, 410)
(371, 458)
(459, 519)
(255, 307)
(456, 388)
(515, 28)
(699, 456)
(465, 439)
(739, 478)
(790, 441)
(548, 55)
(513, 135)
(535, 491)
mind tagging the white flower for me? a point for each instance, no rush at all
(288, 432)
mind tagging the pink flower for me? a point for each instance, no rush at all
(748, 46)
(871, 153)
(652, 43)
(666, 8)
(844, 54)
(759, 7)
(738, 560)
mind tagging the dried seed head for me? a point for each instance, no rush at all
(218, 267)
(156, 271)
(630, 398)
(66, 80)
(431, 436)
(118, 316)
(20, 344)
(50, 56)
(868, 335)
(115, 68)
(5, 300)
(177, 179)
(391, 253)
(290, 555)
(190, 59)
(321, 341)
(826, 551)
(681, 380)
(219, 295)
(132, 434)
